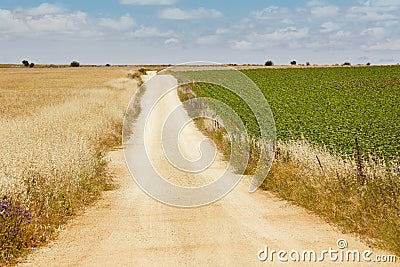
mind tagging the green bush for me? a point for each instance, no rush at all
(75, 64)
(269, 63)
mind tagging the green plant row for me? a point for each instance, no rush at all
(330, 107)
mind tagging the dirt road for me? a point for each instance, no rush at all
(129, 228)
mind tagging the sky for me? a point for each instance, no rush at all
(178, 31)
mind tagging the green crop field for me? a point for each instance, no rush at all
(331, 107)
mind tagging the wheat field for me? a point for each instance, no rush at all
(56, 125)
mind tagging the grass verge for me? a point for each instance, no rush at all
(366, 203)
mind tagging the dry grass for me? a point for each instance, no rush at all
(23, 91)
(366, 203)
(56, 125)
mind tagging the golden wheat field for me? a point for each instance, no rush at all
(56, 125)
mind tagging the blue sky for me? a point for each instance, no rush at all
(176, 31)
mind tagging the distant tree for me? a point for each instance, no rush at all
(25, 62)
(108, 65)
(269, 63)
(346, 64)
(308, 64)
(75, 64)
(293, 62)
(32, 65)
(369, 64)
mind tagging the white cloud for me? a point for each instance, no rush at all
(243, 25)
(375, 10)
(54, 22)
(148, 2)
(380, 5)
(126, 22)
(289, 36)
(208, 40)
(43, 9)
(357, 14)
(324, 11)
(385, 46)
(242, 45)
(325, 44)
(148, 32)
(221, 31)
(285, 34)
(172, 41)
(388, 23)
(329, 27)
(340, 35)
(57, 22)
(180, 14)
(375, 33)
(42, 19)
(314, 3)
(11, 23)
(271, 12)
